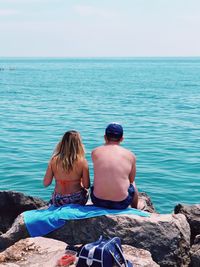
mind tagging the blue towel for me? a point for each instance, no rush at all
(42, 222)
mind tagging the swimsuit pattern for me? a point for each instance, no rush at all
(80, 198)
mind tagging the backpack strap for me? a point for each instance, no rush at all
(90, 257)
(125, 262)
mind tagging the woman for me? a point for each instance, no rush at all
(70, 169)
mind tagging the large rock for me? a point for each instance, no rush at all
(195, 252)
(39, 251)
(146, 203)
(139, 257)
(192, 213)
(35, 252)
(15, 233)
(166, 237)
(14, 203)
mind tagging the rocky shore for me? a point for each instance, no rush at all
(158, 240)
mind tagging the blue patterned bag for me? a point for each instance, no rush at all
(103, 253)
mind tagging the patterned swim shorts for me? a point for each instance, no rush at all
(80, 197)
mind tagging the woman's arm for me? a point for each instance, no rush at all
(86, 175)
(48, 176)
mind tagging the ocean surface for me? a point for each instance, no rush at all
(157, 100)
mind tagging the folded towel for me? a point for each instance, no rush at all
(42, 222)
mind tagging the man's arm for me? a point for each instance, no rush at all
(48, 176)
(133, 170)
(93, 154)
(132, 181)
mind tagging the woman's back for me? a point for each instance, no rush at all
(69, 168)
(68, 182)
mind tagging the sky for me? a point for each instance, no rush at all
(99, 28)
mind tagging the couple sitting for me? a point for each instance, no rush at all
(114, 172)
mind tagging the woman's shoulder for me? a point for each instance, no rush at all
(83, 161)
(53, 160)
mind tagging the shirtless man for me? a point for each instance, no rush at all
(114, 172)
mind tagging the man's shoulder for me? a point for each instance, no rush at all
(118, 149)
(96, 152)
(96, 149)
(128, 152)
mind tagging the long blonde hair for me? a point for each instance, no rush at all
(69, 150)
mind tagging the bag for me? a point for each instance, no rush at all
(103, 253)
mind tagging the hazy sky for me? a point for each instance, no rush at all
(93, 28)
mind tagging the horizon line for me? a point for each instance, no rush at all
(95, 57)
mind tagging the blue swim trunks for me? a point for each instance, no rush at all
(109, 204)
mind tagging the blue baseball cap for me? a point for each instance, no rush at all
(114, 130)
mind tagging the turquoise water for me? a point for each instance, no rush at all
(156, 100)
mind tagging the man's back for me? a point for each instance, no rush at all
(114, 169)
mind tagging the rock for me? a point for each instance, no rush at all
(16, 232)
(192, 213)
(147, 203)
(166, 237)
(195, 252)
(35, 252)
(14, 203)
(139, 257)
(45, 252)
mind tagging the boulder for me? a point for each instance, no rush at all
(45, 252)
(15, 233)
(195, 252)
(35, 252)
(139, 257)
(192, 213)
(166, 237)
(12, 204)
(146, 203)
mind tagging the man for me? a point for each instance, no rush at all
(114, 172)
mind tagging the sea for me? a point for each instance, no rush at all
(157, 100)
